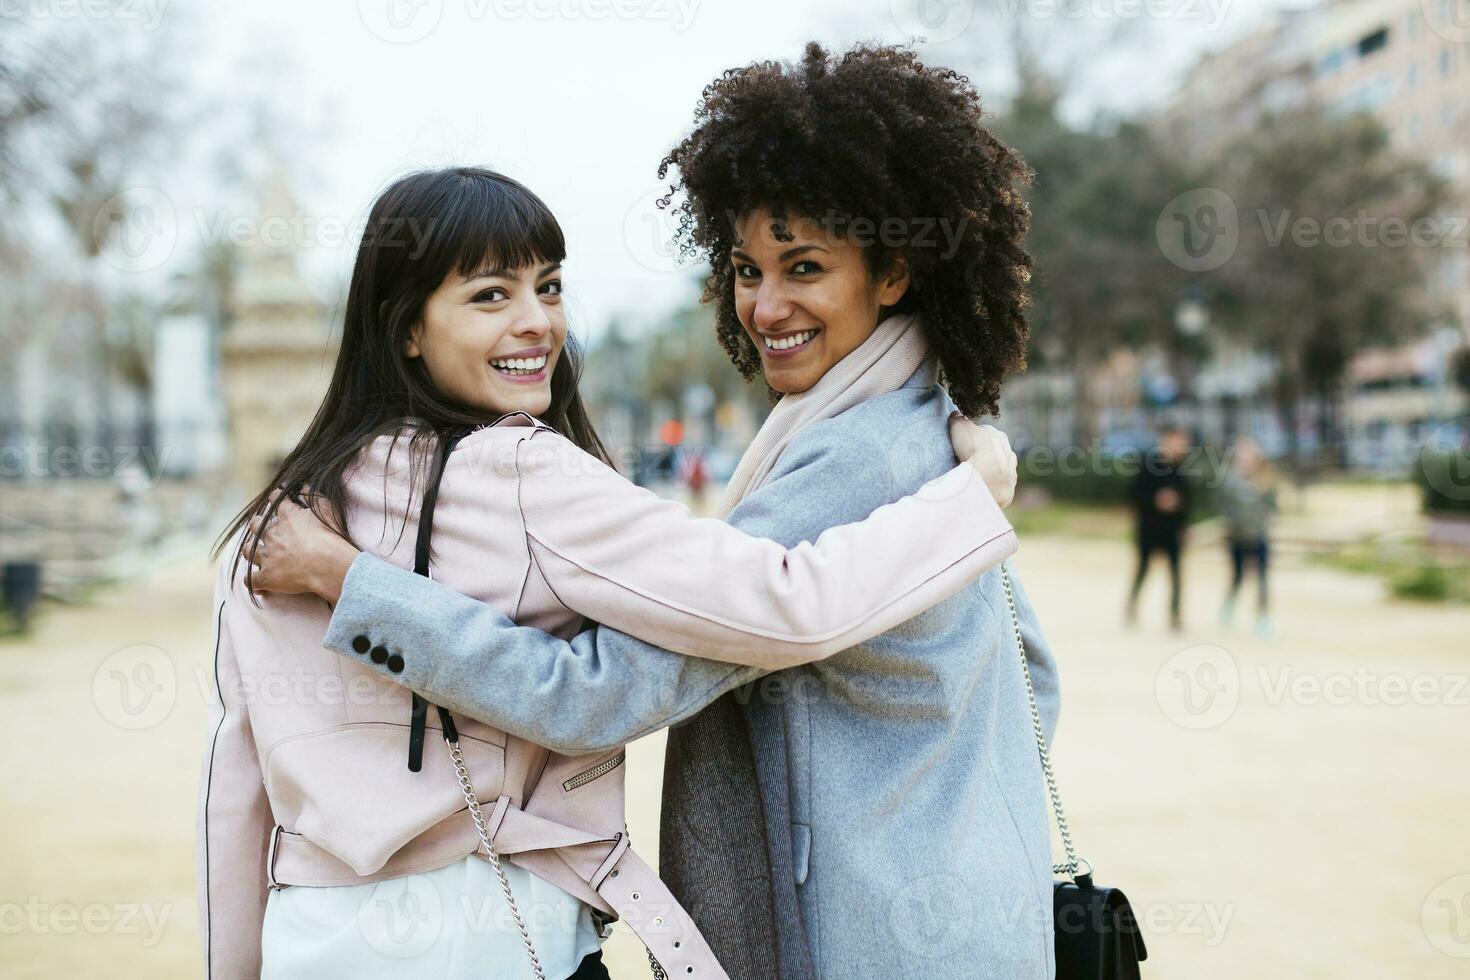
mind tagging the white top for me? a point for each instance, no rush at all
(452, 922)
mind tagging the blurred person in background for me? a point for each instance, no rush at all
(1160, 498)
(455, 396)
(1247, 503)
(696, 477)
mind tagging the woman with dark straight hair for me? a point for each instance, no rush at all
(333, 841)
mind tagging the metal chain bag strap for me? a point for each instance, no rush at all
(451, 733)
(1097, 937)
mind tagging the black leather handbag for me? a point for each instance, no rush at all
(1097, 937)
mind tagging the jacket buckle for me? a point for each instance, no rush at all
(270, 859)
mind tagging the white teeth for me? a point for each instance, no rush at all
(795, 340)
(520, 363)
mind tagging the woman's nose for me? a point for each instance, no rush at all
(771, 306)
(533, 320)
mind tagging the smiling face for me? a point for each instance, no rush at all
(491, 340)
(806, 302)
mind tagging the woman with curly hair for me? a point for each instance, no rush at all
(878, 813)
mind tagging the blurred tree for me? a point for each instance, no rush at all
(97, 121)
(1336, 232)
(124, 114)
(1101, 280)
(85, 111)
(685, 352)
(26, 100)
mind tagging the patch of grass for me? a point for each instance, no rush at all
(1427, 583)
(1070, 519)
(1360, 559)
(1411, 570)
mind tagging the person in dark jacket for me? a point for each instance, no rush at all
(1160, 499)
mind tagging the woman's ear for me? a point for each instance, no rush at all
(893, 282)
(411, 342)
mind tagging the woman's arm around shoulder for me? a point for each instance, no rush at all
(623, 556)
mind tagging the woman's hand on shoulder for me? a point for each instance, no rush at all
(988, 450)
(296, 552)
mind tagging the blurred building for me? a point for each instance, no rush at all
(1228, 90)
(1399, 397)
(278, 352)
(1407, 63)
(187, 406)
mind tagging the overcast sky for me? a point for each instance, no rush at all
(580, 98)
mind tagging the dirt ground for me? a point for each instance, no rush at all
(1297, 806)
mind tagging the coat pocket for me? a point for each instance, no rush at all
(801, 851)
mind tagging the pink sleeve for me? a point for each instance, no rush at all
(623, 556)
(234, 822)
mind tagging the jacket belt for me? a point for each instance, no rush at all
(604, 872)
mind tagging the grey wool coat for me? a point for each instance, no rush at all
(880, 813)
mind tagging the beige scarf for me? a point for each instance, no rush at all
(878, 365)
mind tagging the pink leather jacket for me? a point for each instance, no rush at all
(305, 779)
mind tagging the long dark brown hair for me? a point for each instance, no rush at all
(422, 228)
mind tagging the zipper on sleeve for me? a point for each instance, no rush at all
(601, 769)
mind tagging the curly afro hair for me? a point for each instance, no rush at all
(872, 138)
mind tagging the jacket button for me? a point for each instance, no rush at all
(379, 654)
(395, 664)
(361, 643)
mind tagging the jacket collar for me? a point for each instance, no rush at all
(515, 419)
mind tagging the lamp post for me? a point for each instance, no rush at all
(1191, 320)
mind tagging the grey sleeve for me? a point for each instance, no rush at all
(599, 690)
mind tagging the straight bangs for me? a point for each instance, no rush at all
(497, 223)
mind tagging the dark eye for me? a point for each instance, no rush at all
(492, 295)
(746, 271)
(552, 288)
(805, 268)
